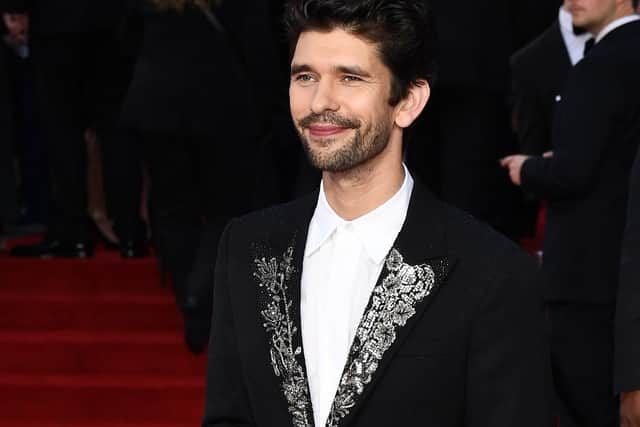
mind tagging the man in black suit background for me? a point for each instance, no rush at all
(15, 29)
(466, 125)
(80, 80)
(627, 354)
(595, 138)
(370, 302)
(539, 72)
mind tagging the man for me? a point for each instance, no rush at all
(369, 302)
(475, 41)
(627, 368)
(627, 354)
(539, 72)
(595, 138)
(8, 199)
(80, 80)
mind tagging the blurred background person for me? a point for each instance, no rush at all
(466, 127)
(200, 103)
(586, 180)
(627, 337)
(13, 30)
(79, 75)
(539, 72)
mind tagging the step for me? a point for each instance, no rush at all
(113, 398)
(96, 276)
(76, 352)
(48, 312)
(93, 423)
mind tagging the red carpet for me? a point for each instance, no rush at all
(93, 343)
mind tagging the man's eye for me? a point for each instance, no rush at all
(350, 79)
(304, 78)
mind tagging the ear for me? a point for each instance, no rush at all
(411, 106)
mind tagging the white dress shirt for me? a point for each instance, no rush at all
(342, 262)
(615, 24)
(575, 44)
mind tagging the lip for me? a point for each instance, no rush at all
(324, 131)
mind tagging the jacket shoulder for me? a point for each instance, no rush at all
(478, 245)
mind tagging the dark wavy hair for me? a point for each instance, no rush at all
(402, 30)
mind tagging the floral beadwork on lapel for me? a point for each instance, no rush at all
(392, 304)
(273, 276)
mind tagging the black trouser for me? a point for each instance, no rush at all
(122, 175)
(582, 363)
(192, 202)
(76, 89)
(8, 198)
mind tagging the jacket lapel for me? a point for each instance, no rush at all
(414, 271)
(277, 269)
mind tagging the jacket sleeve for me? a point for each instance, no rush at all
(508, 379)
(583, 126)
(226, 399)
(627, 332)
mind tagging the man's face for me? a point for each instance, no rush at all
(339, 98)
(593, 15)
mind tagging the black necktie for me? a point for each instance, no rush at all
(589, 45)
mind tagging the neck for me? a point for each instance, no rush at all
(624, 10)
(356, 192)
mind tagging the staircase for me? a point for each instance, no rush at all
(93, 343)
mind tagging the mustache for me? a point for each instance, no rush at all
(330, 118)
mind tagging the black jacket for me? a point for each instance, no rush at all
(627, 367)
(539, 73)
(191, 78)
(472, 351)
(595, 137)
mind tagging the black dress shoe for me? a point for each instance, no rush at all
(134, 249)
(53, 249)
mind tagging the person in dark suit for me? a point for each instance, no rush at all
(594, 141)
(8, 196)
(79, 76)
(466, 126)
(627, 342)
(538, 73)
(199, 103)
(370, 302)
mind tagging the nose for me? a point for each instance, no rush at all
(324, 98)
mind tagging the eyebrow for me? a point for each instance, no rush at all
(344, 69)
(300, 68)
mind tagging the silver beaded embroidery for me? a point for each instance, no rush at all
(392, 305)
(273, 276)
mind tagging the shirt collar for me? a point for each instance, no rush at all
(615, 24)
(566, 22)
(574, 43)
(377, 230)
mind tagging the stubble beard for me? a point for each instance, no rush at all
(357, 151)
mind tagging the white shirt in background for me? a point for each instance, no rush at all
(575, 44)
